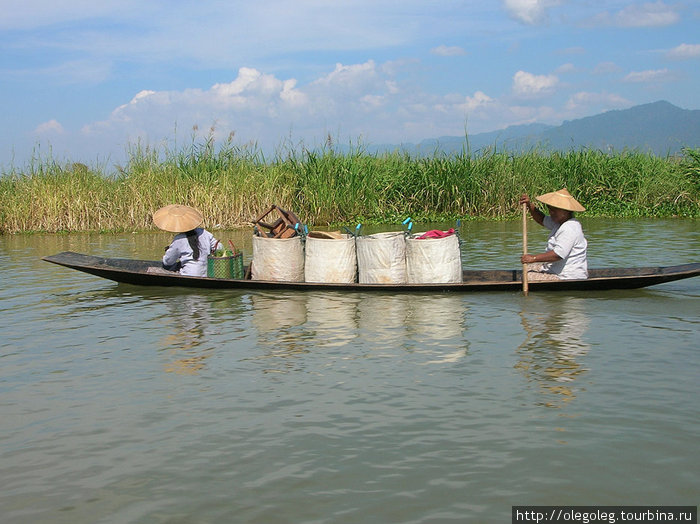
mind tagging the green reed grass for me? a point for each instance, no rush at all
(233, 185)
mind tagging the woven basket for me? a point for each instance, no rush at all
(225, 267)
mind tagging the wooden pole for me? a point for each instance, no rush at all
(525, 282)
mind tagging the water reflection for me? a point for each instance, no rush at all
(277, 319)
(386, 316)
(551, 354)
(204, 325)
(360, 325)
(192, 320)
(437, 322)
(333, 318)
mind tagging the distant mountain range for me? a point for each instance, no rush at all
(659, 128)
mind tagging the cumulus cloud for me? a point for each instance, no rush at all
(366, 101)
(444, 50)
(684, 51)
(52, 127)
(352, 99)
(250, 103)
(527, 85)
(478, 101)
(651, 75)
(530, 12)
(372, 102)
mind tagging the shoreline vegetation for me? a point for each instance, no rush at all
(233, 185)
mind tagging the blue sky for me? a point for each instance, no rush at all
(81, 80)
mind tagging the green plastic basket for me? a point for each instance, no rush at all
(225, 267)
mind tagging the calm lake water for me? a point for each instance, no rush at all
(121, 404)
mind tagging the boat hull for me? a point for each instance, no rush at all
(135, 272)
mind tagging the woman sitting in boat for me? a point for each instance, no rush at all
(565, 257)
(191, 246)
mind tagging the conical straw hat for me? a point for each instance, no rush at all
(177, 219)
(561, 199)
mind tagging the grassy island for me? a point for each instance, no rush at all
(232, 185)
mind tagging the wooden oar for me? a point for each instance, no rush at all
(525, 283)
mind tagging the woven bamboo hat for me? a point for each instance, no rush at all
(561, 199)
(177, 219)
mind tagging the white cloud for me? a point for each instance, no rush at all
(375, 102)
(530, 12)
(350, 76)
(566, 68)
(364, 100)
(261, 107)
(478, 101)
(528, 85)
(52, 127)
(648, 14)
(444, 50)
(651, 75)
(372, 101)
(684, 51)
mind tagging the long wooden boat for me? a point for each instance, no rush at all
(136, 272)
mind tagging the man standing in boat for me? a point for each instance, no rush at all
(565, 257)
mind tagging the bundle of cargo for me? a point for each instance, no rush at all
(330, 257)
(278, 259)
(278, 251)
(433, 257)
(381, 258)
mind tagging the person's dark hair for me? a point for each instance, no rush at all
(193, 240)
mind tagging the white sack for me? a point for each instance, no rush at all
(330, 260)
(433, 260)
(381, 258)
(279, 259)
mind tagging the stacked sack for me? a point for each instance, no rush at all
(433, 257)
(330, 257)
(381, 258)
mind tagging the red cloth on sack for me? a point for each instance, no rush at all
(436, 233)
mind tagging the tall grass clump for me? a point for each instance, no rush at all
(232, 185)
(229, 185)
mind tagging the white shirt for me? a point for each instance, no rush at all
(180, 250)
(567, 241)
